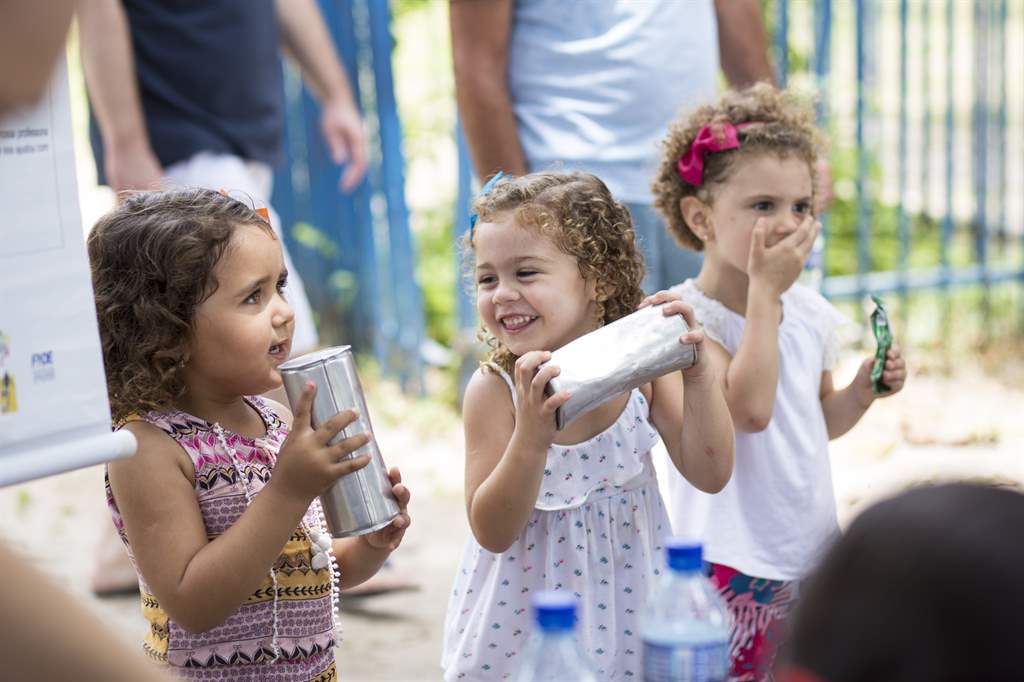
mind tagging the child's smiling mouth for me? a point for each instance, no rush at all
(516, 323)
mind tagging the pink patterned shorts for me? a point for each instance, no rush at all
(759, 608)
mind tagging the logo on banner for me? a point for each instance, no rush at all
(8, 395)
(42, 367)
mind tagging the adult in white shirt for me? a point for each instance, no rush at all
(592, 85)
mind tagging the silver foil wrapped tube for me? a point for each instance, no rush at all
(360, 502)
(617, 358)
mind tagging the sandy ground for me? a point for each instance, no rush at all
(965, 426)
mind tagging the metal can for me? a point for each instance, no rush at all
(616, 358)
(360, 502)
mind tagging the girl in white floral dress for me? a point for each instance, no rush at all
(555, 257)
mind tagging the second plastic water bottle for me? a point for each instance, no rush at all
(552, 653)
(685, 627)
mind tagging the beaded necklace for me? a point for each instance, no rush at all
(320, 548)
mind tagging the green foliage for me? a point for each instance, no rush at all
(427, 104)
(882, 220)
(436, 269)
(400, 9)
(344, 285)
(431, 415)
(334, 315)
(314, 239)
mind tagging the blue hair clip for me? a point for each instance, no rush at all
(483, 192)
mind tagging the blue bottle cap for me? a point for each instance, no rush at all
(684, 554)
(555, 611)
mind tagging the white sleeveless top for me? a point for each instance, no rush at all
(596, 531)
(777, 513)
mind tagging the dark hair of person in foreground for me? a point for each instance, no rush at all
(928, 585)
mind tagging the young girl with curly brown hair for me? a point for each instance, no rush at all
(737, 182)
(554, 257)
(238, 573)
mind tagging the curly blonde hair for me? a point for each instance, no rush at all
(152, 261)
(785, 127)
(577, 212)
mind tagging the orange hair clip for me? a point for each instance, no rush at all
(262, 211)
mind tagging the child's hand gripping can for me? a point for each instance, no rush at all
(883, 338)
(618, 357)
(360, 502)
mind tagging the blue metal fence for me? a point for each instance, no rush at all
(990, 118)
(357, 253)
(986, 169)
(466, 343)
(355, 250)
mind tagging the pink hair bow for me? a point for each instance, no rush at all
(691, 165)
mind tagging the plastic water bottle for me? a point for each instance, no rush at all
(814, 267)
(685, 627)
(552, 653)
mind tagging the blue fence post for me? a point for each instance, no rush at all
(926, 142)
(1004, 19)
(1001, 143)
(356, 303)
(1020, 266)
(822, 48)
(947, 217)
(292, 203)
(284, 196)
(466, 342)
(408, 299)
(353, 209)
(979, 121)
(325, 215)
(822, 56)
(782, 42)
(345, 217)
(463, 206)
(902, 227)
(863, 198)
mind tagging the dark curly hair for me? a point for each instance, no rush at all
(786, 128)
(152, 261)
(577, 212)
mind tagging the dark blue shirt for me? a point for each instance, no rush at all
(209, 76)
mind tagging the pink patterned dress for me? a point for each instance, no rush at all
(241, 647)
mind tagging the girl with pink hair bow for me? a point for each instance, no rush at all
(737, 181)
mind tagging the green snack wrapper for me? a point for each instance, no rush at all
(883, 337)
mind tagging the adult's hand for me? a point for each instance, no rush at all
(132, 167)
(305, 37)
(109, 65)
(342, 128)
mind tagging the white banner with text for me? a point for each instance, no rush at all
(54, 413)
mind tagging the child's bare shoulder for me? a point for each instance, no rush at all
(488, 420)
(486, 381)
(486, 394)
(158, 456)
